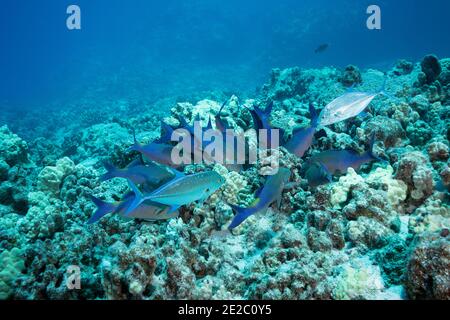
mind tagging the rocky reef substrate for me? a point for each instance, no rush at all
(381, 232)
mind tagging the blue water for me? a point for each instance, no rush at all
(152, 48)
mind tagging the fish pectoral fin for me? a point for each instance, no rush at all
(173, 208)
(326, 172)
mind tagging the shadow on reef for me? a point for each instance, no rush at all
(368, 230)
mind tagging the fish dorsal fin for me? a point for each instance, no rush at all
(256, 119)
(183, 122)
(108, 166)
(314, 115)
(166, 133)
(178, 174)
(138, 198)
(209, 124)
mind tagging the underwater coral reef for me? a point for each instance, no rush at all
(358, 210)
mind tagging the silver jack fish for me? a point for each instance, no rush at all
(348, 106)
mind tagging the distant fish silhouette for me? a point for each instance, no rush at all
(323, 47)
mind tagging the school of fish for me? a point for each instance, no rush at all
(158, 189)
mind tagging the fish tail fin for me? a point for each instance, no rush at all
(166, 133)
(240, 215)
(268, 109)
(136, 145)
(103, 208)
(111, 171)
(264, 113)
(383, 91)
(138, 198)
(314, 115)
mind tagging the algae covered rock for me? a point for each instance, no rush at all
(428, 275)
(359, 280)
(431, 67)
(51, 177)
(286, 84)
(11, 267)
(351, 76)
(415, 170)
(403, 67)
(13, 149)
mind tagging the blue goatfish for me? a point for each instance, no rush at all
(302, 139)
(148, 210)
(348, 106)
(265, 196)
(180, 191)
(325, 164)
(139, 173)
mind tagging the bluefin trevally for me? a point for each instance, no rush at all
(302, 139)
(325, 164)
(348, 105)
(138, 172)
(269, 193)
(182, 190)
(154, 151)
(148, 210)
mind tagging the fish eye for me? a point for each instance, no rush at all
(207, 190)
